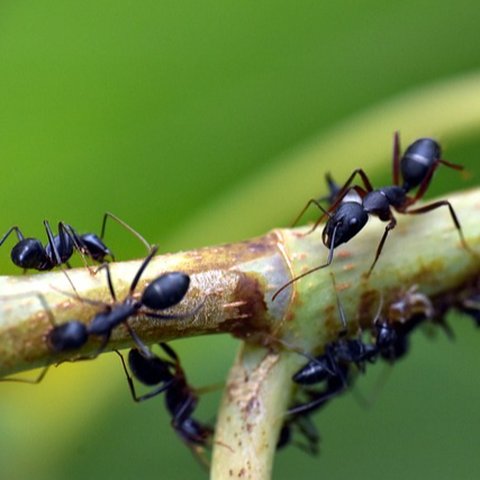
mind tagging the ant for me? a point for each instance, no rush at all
(29, 253)
(346, 218)
(180, 398)
(164, 292)
(333, 366)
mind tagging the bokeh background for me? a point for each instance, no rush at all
(180, 117)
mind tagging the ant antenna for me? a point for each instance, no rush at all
(308, 272)
(341, 311)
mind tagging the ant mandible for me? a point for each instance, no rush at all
(346, 218)
(180, 398)
(29, 253)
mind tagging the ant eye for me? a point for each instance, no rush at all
(353, 221)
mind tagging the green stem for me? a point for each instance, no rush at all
(236, 283)
(423, 250)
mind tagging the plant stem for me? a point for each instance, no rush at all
(423, 250)
(236, 283)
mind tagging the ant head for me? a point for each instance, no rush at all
(166, 291)
(345, 223)
(68, 336)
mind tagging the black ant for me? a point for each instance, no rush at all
(333, 366)
(346, 219)
(180, 398)
(29, 253)
(164, 292)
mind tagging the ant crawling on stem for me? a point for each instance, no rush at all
(162, 293)
(181, 398)
(346, 218)
(29, 253)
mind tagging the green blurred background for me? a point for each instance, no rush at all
(163, 112)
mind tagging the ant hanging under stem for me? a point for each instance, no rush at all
(181, 398)
(347, 218)
(162, 293)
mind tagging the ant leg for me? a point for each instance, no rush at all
(308, 272)
(340, 309)
(396, 158)
(343, 192)
(455, 166)
(308, 429)
(143, 266)
(25, 380)
(428, 177)
(390, 226)
(312, 201)
(317, 402)
(178, 419)
(170, 352)
(173, 316)
(145, 351)
(10, 230)
(77, 242)
(214, 387)
(51, 242)
(131, 385)
(326, 213)
(109, 279)
(124, 225)
(441, 203)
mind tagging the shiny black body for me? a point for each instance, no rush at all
(418, 159)
(330, 364)
(180, 398)
(29, 253)
(347, 218)
(164, 292)
(417, 166)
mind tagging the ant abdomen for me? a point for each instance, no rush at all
(166, 291)
(418, 160)
(29, 253)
